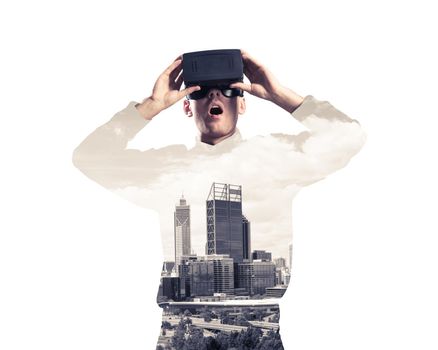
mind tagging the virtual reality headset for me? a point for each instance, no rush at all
(212, 68)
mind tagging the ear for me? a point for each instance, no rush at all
(241, 105)
(187, 110)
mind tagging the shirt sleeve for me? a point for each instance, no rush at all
(332, 138)
(103, 156)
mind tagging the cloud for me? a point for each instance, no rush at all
(271, 170)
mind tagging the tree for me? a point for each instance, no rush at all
(196, 340)
(187, 313)
(241, 321)
(259, 314)
(222, 313)
(250, 338)
(206, 314)
(166, 325)
(227, 320)
(246, 312)
(178, 339)
(223, 340)
(271, 341)
(213, 344)
(276, 317)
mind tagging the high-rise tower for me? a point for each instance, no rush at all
(182, 230)
(246, 227)
(225, 221)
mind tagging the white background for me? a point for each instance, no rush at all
(80, 266)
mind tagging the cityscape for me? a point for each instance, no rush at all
(227, 295)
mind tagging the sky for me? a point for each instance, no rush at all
(271, 170)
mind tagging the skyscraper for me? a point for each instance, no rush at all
(182, 230)
(256, 276)
(211, 274)
(280, 262)
(225, 221)
(290, 257)
(262, 255)
(201, 277)
(184, 274)
(246, 227)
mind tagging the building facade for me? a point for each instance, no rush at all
(182, 230)
(225, 221)
(261, 255)
(170, 288)
(211, 274)
(256, 276)
(246, 231)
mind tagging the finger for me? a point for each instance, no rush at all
(175, 73)
(242, 86)
(249, 62)
(179, 82)
(172, 67)
(244, 52)
(189, 90)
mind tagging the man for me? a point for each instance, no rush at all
(253, 181)
(214, 128)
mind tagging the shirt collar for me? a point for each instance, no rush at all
(227, 144)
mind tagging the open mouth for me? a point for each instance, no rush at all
(216, 110)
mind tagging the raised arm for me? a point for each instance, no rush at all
(103, 156)
(331, 139)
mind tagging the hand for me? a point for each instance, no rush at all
(166, 91)
(263, 84)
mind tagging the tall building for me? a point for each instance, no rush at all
(225, 224)
(223, 273)
(182, 230)
(170, 288)
(256, 276)
(211, 274)
(168, 267)
(275, 292)
(290, 257)
(282, 276)
(280, 262)
(261, 255)
(246, 227)
(201, 277)
(184, 274)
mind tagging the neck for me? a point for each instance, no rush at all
(215, 140)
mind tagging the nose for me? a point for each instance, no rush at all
(212, 93)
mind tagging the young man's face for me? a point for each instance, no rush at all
(215, 115)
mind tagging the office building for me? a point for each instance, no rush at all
(246, 231)
(182, 230)
(223, 273)
(256, 276)
(201, 277)
(168, 268)
(211, 274)
(280, 262)
(261, 255)
(275, 292)
(225, 222)
(183, 273)
(282, 276)
(170, 288)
